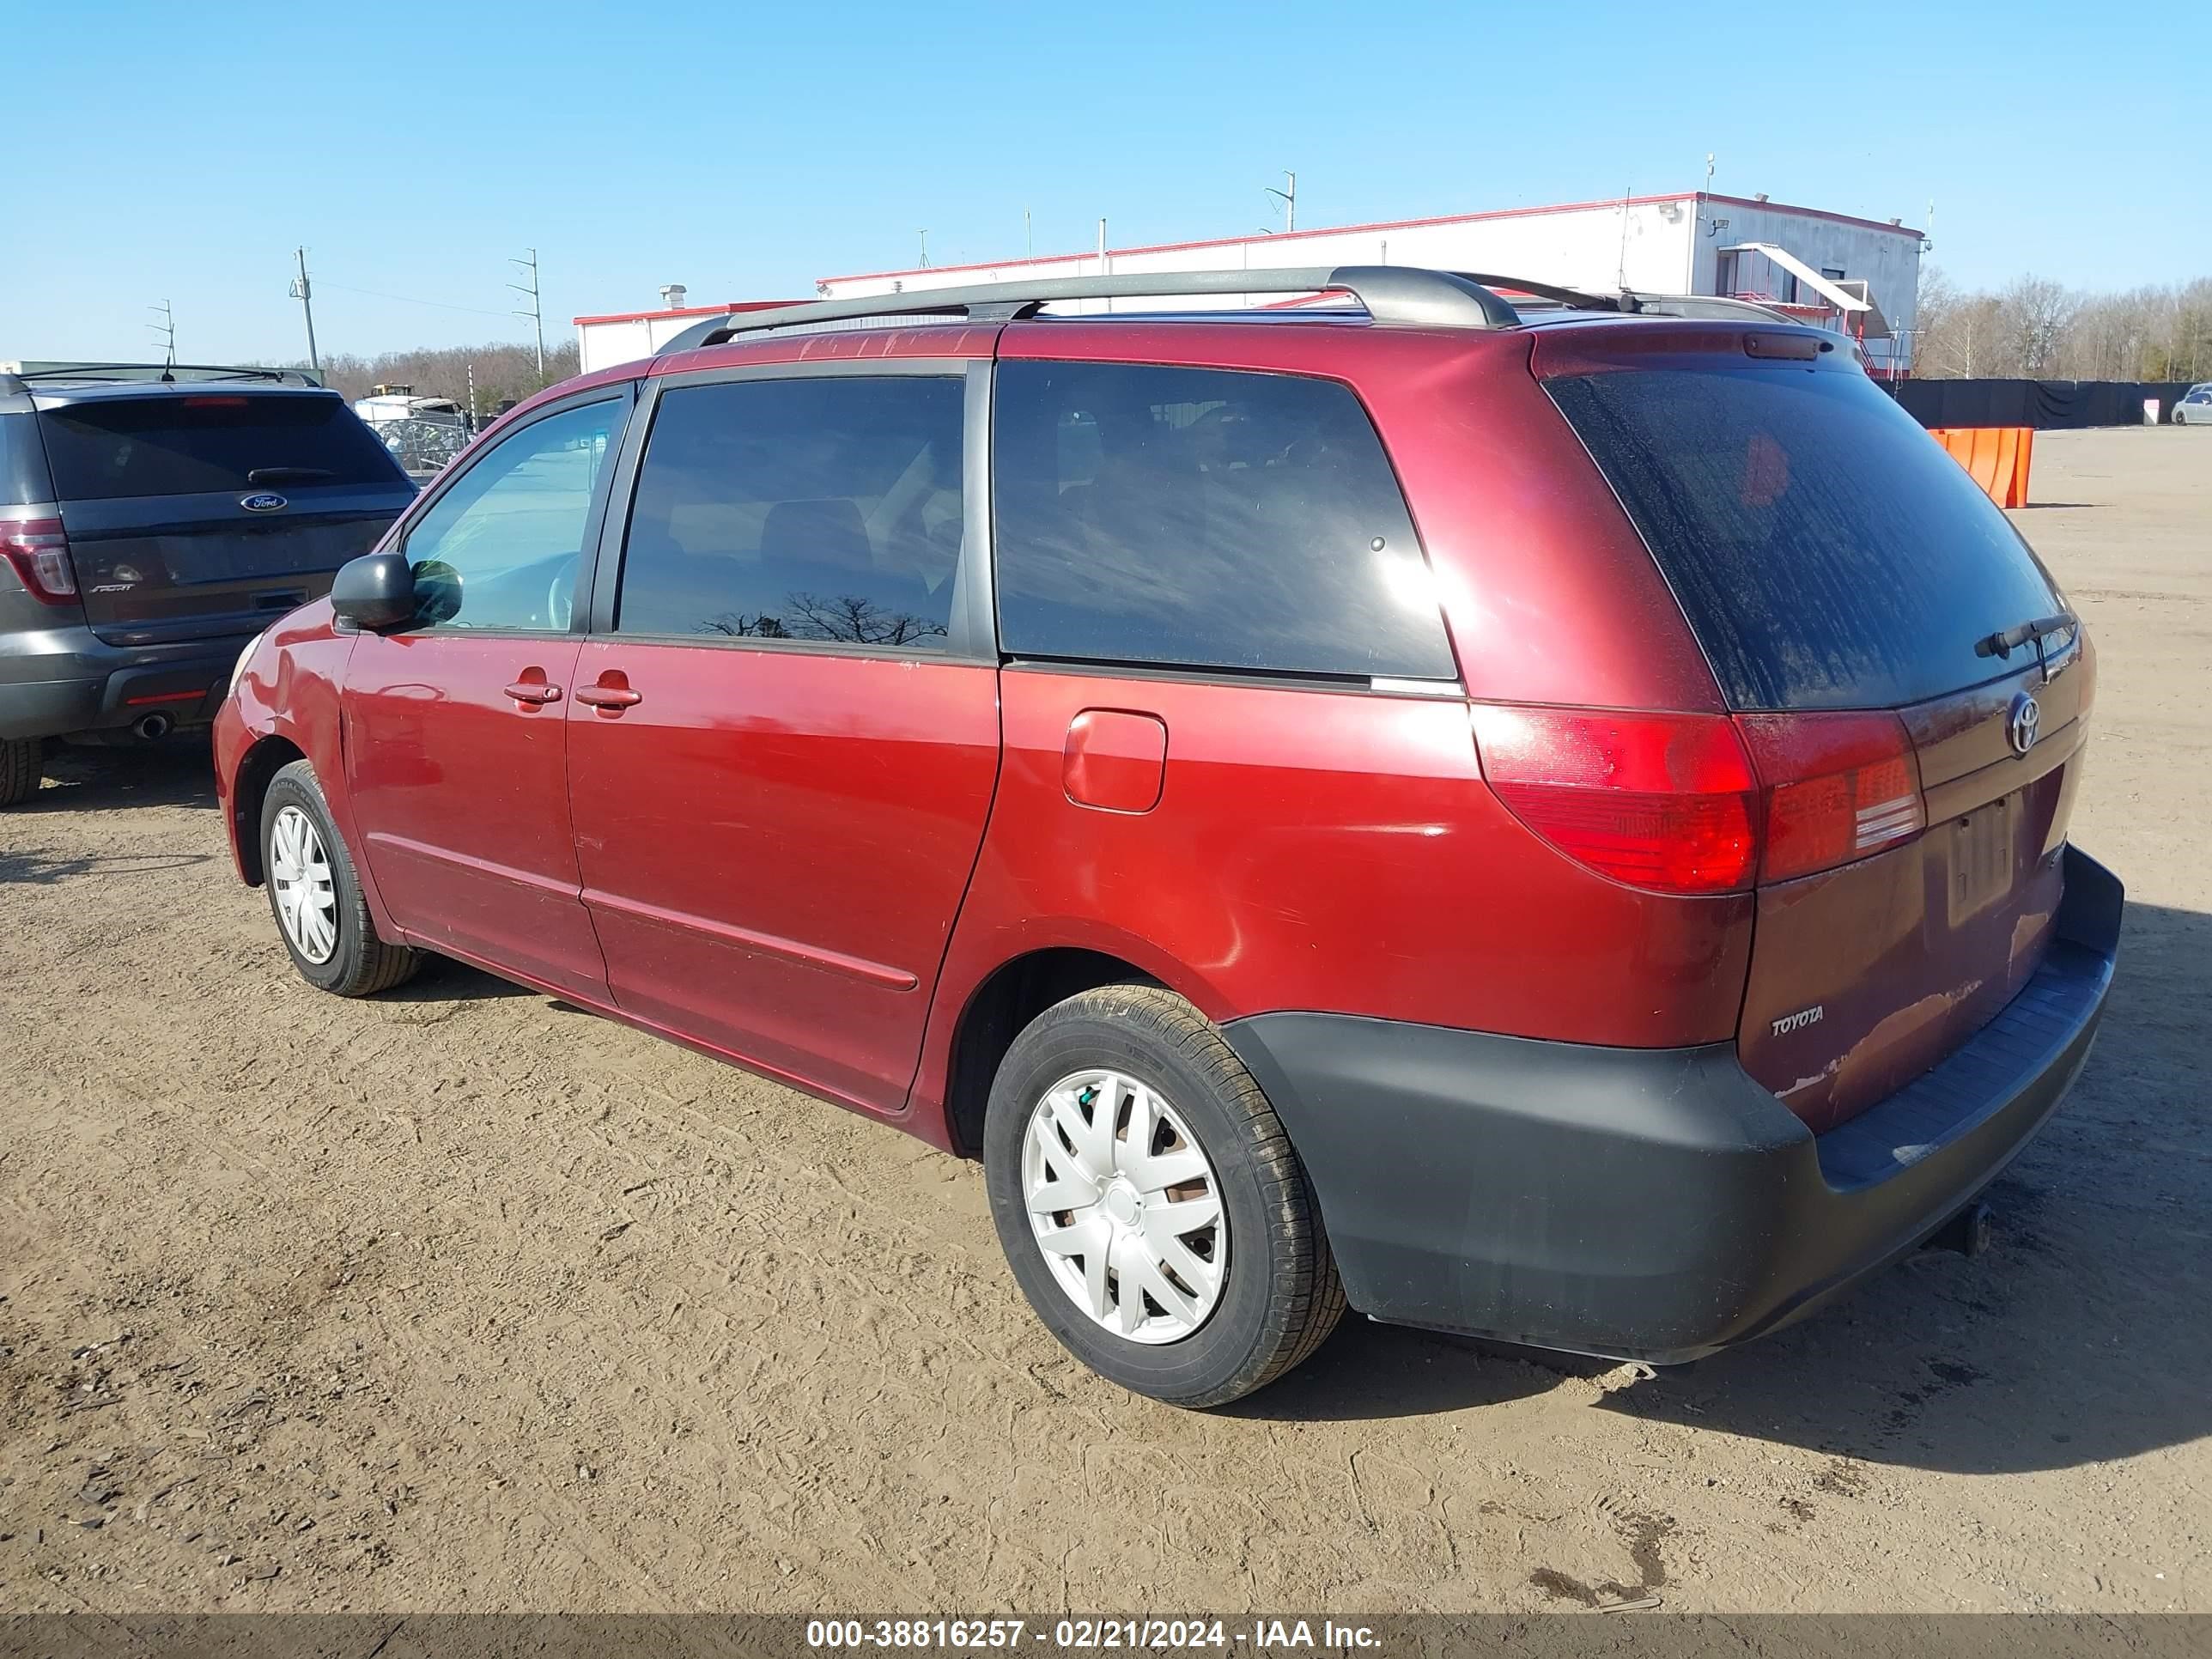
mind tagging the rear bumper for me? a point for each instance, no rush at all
(62, 682)
(1653, 1205)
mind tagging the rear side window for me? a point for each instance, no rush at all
(1204, 518)
(1828, 554)
(22, 460)
(826, 511)
(203, 443)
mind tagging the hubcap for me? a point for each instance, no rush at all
(1125, 1207)
(300, 875)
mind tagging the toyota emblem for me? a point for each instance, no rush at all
(2026, 720)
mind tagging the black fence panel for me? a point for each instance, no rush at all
(2040, 403)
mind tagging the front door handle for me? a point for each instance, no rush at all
(612, 693)
(533, 688)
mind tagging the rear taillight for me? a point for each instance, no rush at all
(1660, 801)
(1839, 787)
(1695, 804)
(39, 554)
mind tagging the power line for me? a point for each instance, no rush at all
(405, 300)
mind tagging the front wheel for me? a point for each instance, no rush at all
(315, 895)
(1151, 1204)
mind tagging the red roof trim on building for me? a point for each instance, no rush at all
(1382, 225)
(1814, 213)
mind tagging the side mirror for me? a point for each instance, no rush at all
(375, 592)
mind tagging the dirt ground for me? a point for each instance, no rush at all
(460, 1299)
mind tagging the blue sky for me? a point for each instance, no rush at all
(180, 153)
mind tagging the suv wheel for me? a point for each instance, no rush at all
(1150, 1203)
(19, 769)
(316, 897)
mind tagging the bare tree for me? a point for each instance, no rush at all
(503, 371)
(2037, 329)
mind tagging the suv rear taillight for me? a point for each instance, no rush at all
(1698, 803)
(38, 552)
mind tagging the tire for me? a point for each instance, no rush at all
(341, 953)
(19, 769)
(1274, 1295)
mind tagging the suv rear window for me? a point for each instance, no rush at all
(1828, 554)
(1204, 518)
(200, 442)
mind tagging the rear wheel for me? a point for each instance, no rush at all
(1150, 1203)
(315, 895)
(19, 769)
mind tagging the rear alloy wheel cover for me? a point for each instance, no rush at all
(1126, 1207)
(300, 877)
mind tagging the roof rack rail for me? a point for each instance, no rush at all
(1703, 305)
(1567, 296)
(126, 373)
(1397, 296)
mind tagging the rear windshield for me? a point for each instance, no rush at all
(1827, 552)
(205, 441)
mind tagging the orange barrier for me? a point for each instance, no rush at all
(1994, 457)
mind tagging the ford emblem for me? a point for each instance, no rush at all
(262, 503)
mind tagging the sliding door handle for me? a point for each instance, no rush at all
(602, 695)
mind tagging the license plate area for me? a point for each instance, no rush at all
(1983, 846)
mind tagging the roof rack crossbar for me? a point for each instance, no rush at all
(1399, 296)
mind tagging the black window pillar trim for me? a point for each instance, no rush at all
(971, 635)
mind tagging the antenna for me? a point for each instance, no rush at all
(1708, 172)
(1626, 196)
(167, 328)
(1289, 198)
(1029, 237)
(924, 234)
(536, 313)
(304, 295)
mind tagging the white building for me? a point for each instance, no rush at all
(625, 336)
(1857, 275)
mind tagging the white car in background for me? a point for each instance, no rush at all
(2195, 408)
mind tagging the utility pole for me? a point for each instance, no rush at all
(304, 294)
(1289, 200)
(168, 329)
(535, 313)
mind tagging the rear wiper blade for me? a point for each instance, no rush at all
(2006, 641)
(270, 475)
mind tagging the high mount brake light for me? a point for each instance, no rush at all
(39, 551)
(1704, 804)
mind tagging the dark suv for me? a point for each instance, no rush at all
(152, 520)
(1548, 821)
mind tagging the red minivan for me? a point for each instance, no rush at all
(1547, 820)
